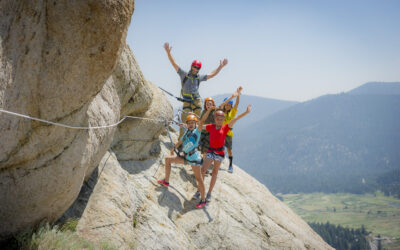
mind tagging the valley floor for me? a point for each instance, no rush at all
(378, 213)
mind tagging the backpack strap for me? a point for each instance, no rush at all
(183, 83)
(188, 77)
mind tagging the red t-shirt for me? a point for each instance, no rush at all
(217, 136)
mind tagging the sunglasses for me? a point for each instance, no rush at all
(196, 67)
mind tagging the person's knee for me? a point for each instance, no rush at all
(215, 169)
(168, 160)
(199, 179)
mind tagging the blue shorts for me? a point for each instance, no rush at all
(215, 157)
(194, 159)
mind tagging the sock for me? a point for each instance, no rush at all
(230, 160)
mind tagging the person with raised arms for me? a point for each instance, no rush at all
(209, 103)
(216, 153)
(230, 113)
(190, 82)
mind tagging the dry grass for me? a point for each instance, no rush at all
(47, 237)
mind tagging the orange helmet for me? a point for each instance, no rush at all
(191, 117)
(208, 99)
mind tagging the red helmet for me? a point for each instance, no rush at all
(196, 63)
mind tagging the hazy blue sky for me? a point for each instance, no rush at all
(292, 50)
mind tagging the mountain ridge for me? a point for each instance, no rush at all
(337, 132)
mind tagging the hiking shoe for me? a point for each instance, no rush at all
(201, 204)
(163, 182)
(230, 169)
(208, 197)
(197, 195)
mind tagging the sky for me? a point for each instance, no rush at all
(289, 50)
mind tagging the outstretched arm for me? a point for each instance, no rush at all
(239, 91)
(171, 59)
(236, 94)
(231, 123)
(204, 118)
(222, 64)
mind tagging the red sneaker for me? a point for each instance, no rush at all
(163, 182)
(201, 204)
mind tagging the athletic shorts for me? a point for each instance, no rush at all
(193, 163)
(215, 157)
(194, 159)
(228, 142)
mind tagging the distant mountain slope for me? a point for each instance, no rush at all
(332, 143)
(262, 107)
(377, 88)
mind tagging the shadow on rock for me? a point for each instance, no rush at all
(190, 205)
(185, 176)
(170, 200)
(78, 207)
(136, 167)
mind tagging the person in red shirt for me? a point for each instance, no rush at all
(216, 153)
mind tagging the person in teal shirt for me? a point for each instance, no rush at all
(190, 142)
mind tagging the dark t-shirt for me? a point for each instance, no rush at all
(209, 120)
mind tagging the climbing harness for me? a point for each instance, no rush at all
(192, 97)
(213, 151)
(180, 153)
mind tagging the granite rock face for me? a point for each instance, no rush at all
(67, 62)
(131, 210)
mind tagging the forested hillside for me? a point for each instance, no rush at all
(335, 143)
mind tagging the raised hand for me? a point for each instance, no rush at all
(248, 108)
(223, 63)
(239, 90)
(236, 94)
(167, 47)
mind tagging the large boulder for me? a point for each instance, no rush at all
(128, 208)
(56, 63)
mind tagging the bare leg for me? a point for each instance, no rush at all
(229, 151)
(168, 161)
(206, 164)
(200, 182)
(214, 175)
